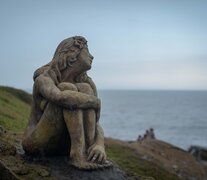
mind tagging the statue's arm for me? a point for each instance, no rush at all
(99, 138)
(68, 98)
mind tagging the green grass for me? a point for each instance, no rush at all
(14, 108)
(133, 165)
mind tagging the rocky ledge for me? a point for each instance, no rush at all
(18, 166)
(157, 159)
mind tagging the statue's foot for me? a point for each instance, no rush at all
(106, 164)
(85, 165)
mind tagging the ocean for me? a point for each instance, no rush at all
(178, 117)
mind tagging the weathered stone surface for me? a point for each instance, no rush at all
(60, 169)
(112, 173)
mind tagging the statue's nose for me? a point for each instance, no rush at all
(91, 56)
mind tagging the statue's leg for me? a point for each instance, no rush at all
(89, 116)
(49, 136)
(90, 130)
(89, 127)
(82, 128)
(74, 121)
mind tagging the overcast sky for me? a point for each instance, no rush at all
(157, 44)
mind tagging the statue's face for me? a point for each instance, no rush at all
(85, 59)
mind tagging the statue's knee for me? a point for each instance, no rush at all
(85, 88)
(67, 86)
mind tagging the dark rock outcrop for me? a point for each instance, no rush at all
(15, 167)
(199, 152)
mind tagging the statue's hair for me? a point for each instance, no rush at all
(65, 55)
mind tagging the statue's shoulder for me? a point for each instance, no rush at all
(40, 71)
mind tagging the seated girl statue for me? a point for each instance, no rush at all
(65, 111)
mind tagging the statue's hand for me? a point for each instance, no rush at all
(96, 153)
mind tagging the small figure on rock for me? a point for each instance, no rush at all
(139, 139)
(146, 135)
(151, 133)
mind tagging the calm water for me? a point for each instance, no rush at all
(179, 117)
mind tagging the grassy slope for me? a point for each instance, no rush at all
(14, 108)
(14, 112)
(133, 164)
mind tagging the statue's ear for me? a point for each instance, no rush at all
(71, 60)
